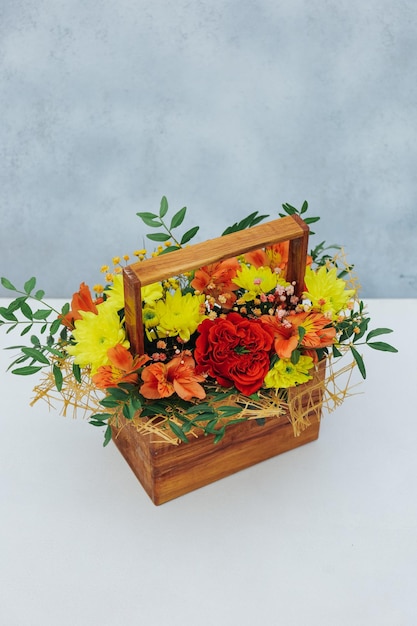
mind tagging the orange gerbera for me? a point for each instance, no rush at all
(161, 380)
(122, 368)
(81, 301)
(287, 336)
(215, 280)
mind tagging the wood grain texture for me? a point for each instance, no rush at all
(291, 228)
(167, 471)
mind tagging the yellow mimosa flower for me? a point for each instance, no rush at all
(94, 335)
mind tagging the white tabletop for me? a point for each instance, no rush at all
(325, 534)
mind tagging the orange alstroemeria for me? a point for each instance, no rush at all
(275, 257)
(287, 336)
(81, 301)
(122, 368)
(215, 280)
(161, 380)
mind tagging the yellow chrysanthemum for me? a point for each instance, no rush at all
(255, 280)
(327, 292)
(151, 293)
(179, 314)
(285, 374)
(94, 335)
(115, 293)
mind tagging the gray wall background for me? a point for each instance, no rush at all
(225, 107)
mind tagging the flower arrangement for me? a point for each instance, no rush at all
(223, 343)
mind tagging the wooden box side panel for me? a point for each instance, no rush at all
(167, 471)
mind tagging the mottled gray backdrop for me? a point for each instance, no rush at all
(225, 107)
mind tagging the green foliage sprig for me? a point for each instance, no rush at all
(41, 352)
(156, 220)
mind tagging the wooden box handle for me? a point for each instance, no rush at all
(155, 269)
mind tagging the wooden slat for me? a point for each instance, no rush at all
(291, 228)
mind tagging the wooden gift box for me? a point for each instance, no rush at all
(167, 471)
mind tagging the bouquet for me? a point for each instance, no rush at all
(223, 343)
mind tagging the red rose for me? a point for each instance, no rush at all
(235, 351)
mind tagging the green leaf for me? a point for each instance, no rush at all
(336, 352)
(177, 431)
(178, 218)
(101, 417)
(26, 310)
(295, 357)
(301, 333)
(359, 361)
(304, 207)
(128, 411)
(169, 249)
(378, 331)
(163, 209)
(107, 436)
(35, 340)
(229, 410)
(39, 294)
(65, 309)
(26, 330)
(381, 345)
(7, 284)
(311, 220)
(76, 370)
(36, 355)
(109, 403)
(27, 370)
(158, 237)
(8, 315)
(57, 376)
(55, 326)
(16, 304)
(29, 285)
(42, 314)
(150, 219)
(136, 403)
(117, 394)
(219, 435)
(189, 235)
(289, 210)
